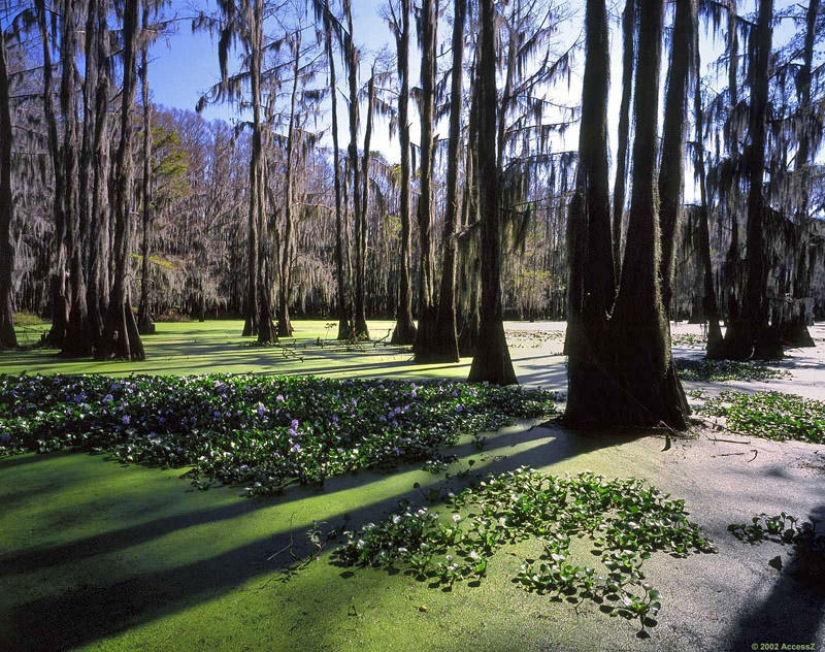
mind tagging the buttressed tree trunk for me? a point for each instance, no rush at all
(795, 333)
(672, 171)
(492, 358)
(361, 328)
(620, 369)
(710, 307)
(749, 335)
(619, 189)
(145, 323)
(445, 337)
(58, 273)
(591, 280)
(405, 330)
(120, 335)
(428, 23)
(8, 339)
(648, 390)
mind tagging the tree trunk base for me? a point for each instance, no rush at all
(362, 331)
(492, 361)
(404, 333)
(796, 335)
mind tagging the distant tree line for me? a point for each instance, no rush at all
(115, 211)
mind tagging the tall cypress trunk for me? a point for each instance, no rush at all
(492, 357)
(672, 171)
(58, 273)
(285, 286)
(620, 368)
(591, 281)
(649, 391)
(405, 330)
(98, 154)
(628, 58)
(428, 23)
(120, 337)
(78, 340)
(795, 333)
(145, 322)
(710, 307)
(361, 328)
(8, 339)
(340, 217)
(749, 335)
(445, 338)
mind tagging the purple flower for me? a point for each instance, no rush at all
(296, 448)
(108, 399)
(261, 410)
(80, 397)
(126, 419)
(216, 415)
(295, 424)
(280, 398)
(459, 408)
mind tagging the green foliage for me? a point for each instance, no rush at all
(705, 370)
(26, 319)
(626, 520)
(779, 529)
(808, 546)
(772, 415)
(263, 432)
(533, 339)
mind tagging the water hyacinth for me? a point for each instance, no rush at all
(220, 425)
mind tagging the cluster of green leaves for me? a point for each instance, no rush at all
(26, 319)
(262, 431)
(533, 339)
(785, 529)
(779, 529)
(705, 370)
(688, 339)
(771, 415)
(626, 521)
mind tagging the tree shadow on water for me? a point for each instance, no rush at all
(90, 609)
(793, 612)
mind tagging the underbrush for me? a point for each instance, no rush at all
(625, 520)
(724, 370)
(262, 432)
(772, 415)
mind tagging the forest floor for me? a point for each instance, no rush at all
(95, 555)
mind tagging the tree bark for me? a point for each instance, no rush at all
(591, 281)
(491, 362)
(620, 368)
(428, 25)
(120, 337)
(8, 339)
(710, 307)
(405, 330)
(58, 273)
(672, 171)
(361, 328)
(145, 323)
(445, 338)
(285, 286)
(749, 335)
(628, 58)
(795, 332)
